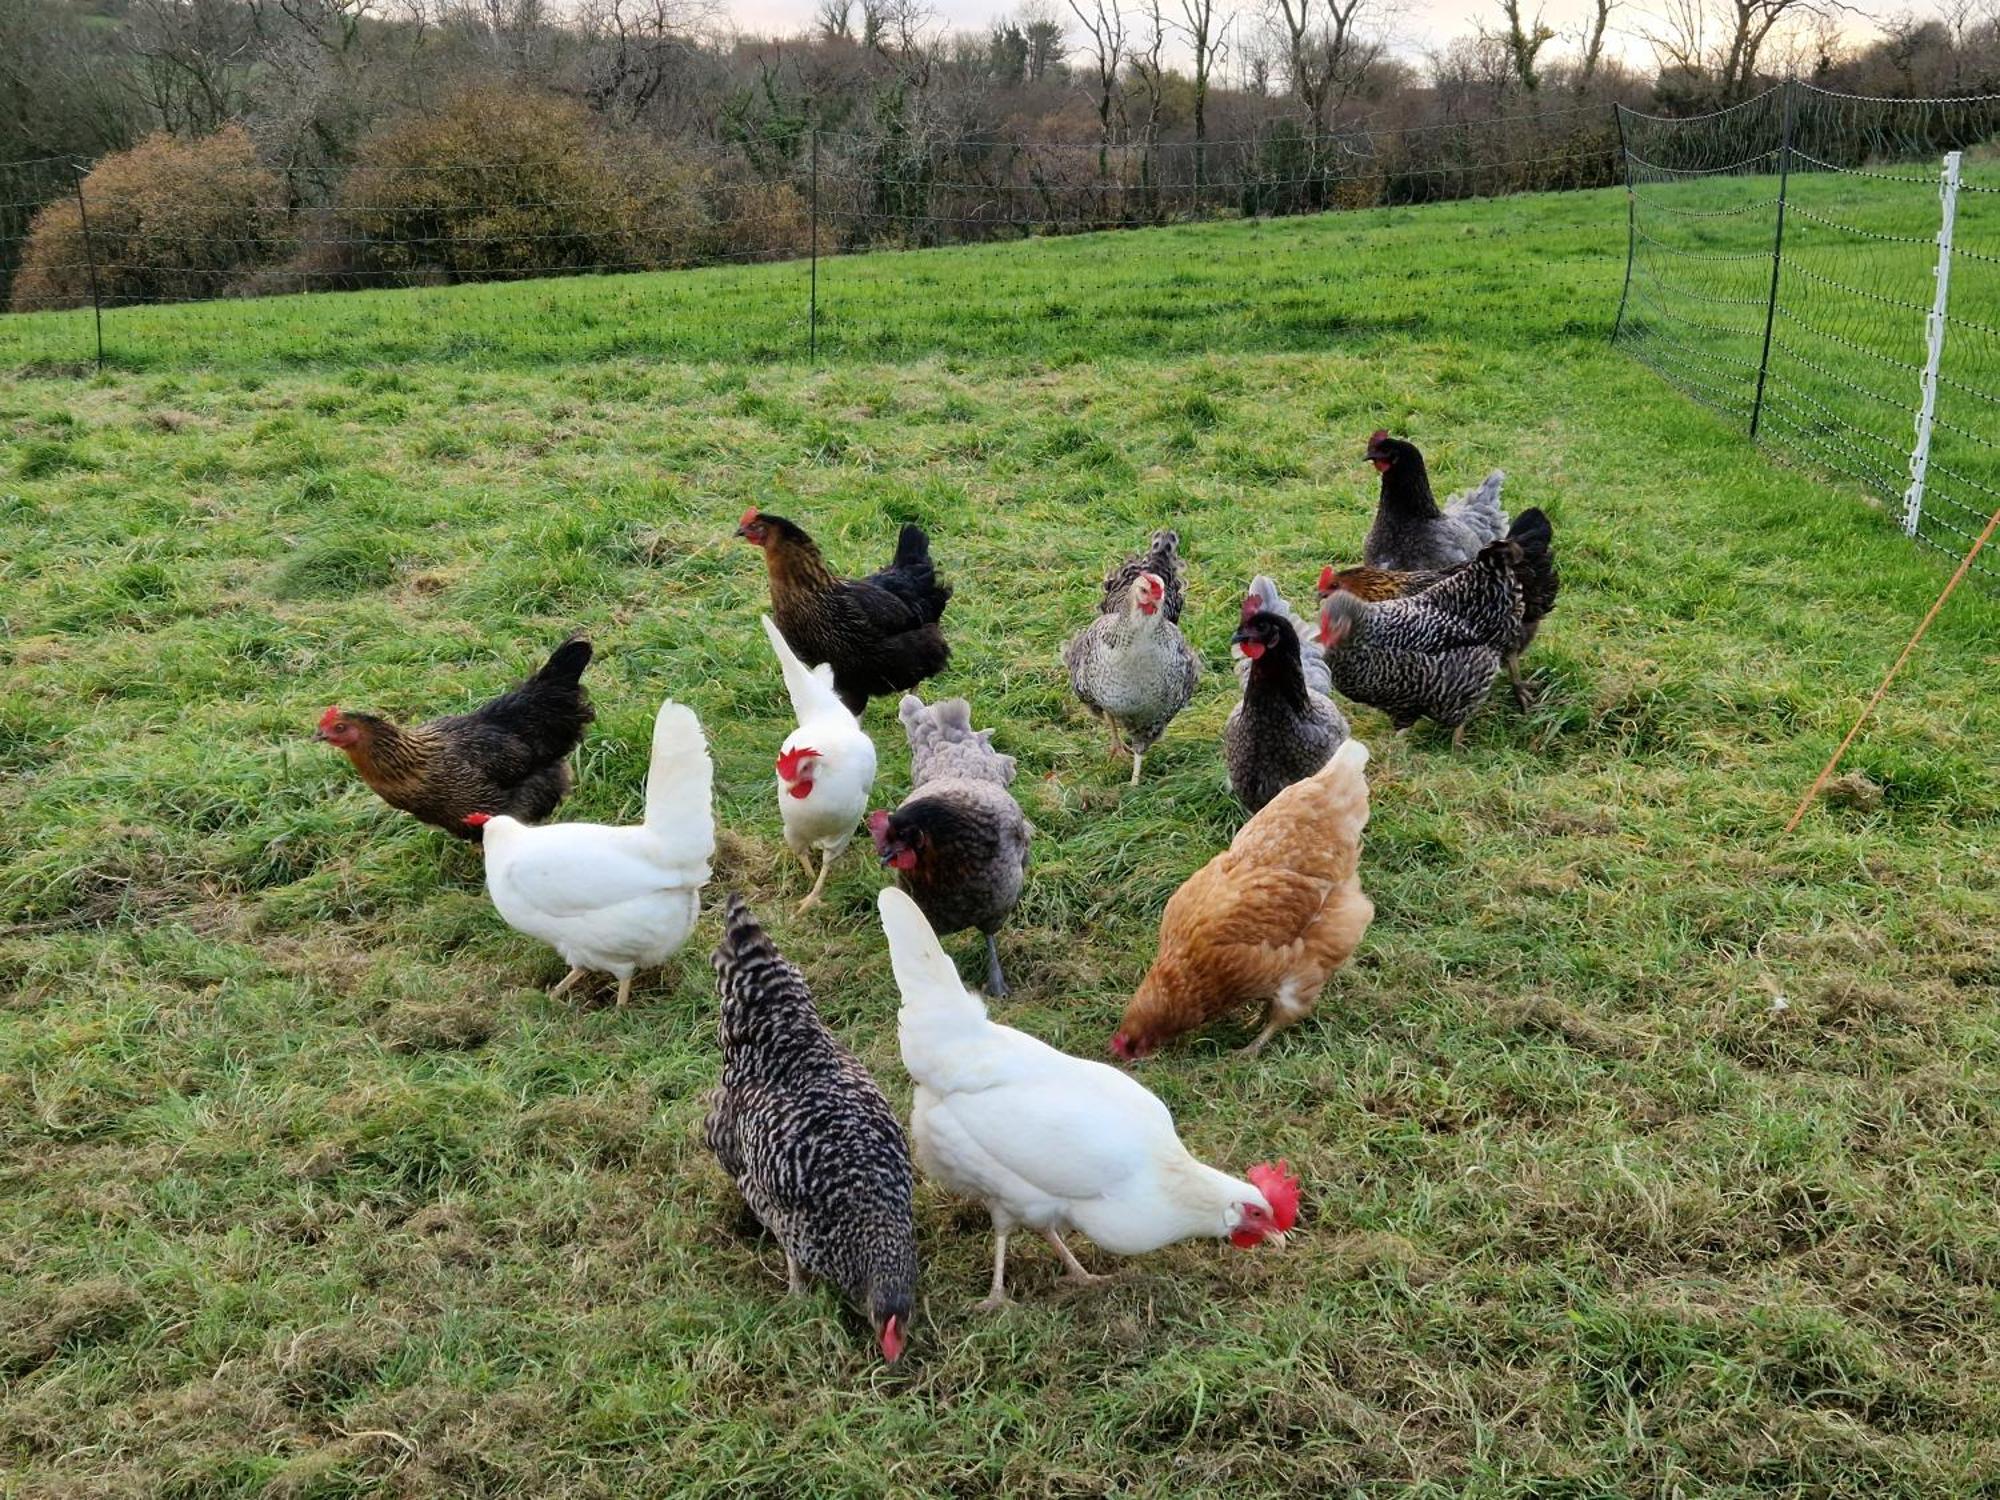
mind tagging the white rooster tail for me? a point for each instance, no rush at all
(810, 688)
(925, 976)
(679, 782)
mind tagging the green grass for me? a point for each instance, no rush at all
(310, 1190)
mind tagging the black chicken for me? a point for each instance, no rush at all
(1282, 731)
(1410, 532)
(808, 1138)
(880, 634)
(509, 756)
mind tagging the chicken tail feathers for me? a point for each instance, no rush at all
(944, 743)
(679, 782)
(1481, 509)
(747, 963)
(1536, 569)
(565, 667)
(810, 688)
(913, 547)
(913, 576)
(925, 976)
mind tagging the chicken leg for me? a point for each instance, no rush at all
(1075, 1271)
(795, 1279)
(624, 991)
(1523, 699)
(996, 982)
(825, 864)
(568, 982)
(1138, 760)
(805, 862)
(997, 1297)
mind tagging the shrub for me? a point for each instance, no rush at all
(501, 185)
(170, 220)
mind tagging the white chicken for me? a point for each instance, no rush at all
(1050, 1142)
(614, 900)
(826, 767)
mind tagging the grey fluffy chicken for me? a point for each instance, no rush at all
(1131, 665)
(1282, 731)
(1263, 595)
(1433, 655)
(808, 1138)
(959, 842)
(1411, 533)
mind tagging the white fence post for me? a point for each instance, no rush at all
(1920, 455)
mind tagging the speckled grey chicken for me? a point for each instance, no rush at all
(807, 1136)
(1536, 574)
(1411, 533)
(1163, 557)
(1282, 731)
(959, 841)
(1132, 667)
(1263, 595)
(1433, 655)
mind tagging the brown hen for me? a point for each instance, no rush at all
(1270, 918)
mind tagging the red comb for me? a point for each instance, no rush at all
(1379, 435)
(1280, 1189)
(330, 718)
(789, 762)
(748, 516)
(1326, 581)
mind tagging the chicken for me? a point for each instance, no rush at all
(1049, 1142)
(804, 1132)
(958, 843)
(1410, 533)
(1162, 556)
(1432, 655)
(879, 634)
(1535, 574)
(1268, 919)
(1133, 668)
(1263, 595)
(614, 900)
(1282, 731)
(509, 756)
(826, 767)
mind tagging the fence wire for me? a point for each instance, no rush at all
(1788, 265)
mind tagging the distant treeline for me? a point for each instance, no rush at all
(167, 149)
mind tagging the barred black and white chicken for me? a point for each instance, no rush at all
(1536, 574)
(808, 1138)
(1411, 533)
(1282, 731)
(1131, 666)
(1433, 655)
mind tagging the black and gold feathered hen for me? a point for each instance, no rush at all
(880, 634)
(508, 756)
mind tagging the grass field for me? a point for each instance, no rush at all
(309, 1190)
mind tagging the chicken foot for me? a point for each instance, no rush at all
(825, 864)
(1074, 1270)
(996, 982)
(1523, 699)
(1280, 1013)
(997, 1296)
(795, 1279)
(568, 982)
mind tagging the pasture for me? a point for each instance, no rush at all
(310, 1190)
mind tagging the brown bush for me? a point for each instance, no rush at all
(500, 185)
(170, 220)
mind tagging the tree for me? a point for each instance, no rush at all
(1593, 42)
(1524, 42)
(1104, 24)
(1723, 41)
(1043, 29)
(1205, 41)
(834, 20)
(193, 61)
(1329, 45)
